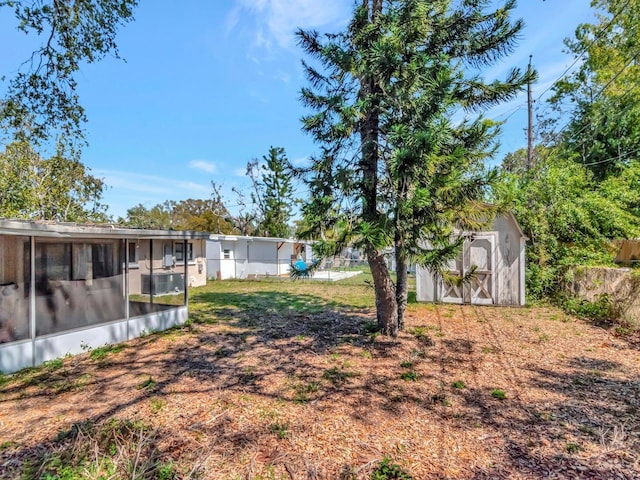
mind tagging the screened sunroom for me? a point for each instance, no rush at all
(65, 288)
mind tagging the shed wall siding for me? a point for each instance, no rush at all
(508, 267)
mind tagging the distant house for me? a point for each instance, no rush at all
(498, 254)
(169, 259)
(235, 256)
(65, 287)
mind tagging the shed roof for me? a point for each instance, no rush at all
(76, 230)
(234, 238)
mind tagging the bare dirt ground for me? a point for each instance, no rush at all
(290, 382)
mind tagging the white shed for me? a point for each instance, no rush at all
(499, 257)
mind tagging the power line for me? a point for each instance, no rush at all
(616, 157)
(584, 50)
(600, 92)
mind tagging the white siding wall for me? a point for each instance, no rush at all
(248, 257)
(508, 272)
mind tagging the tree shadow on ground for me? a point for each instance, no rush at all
(278, 315)
(265, 345)
(274, 330)
(594, 410)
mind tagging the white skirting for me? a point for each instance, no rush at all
(18, 355)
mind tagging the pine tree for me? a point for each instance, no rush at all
(273, 192)
(394, 169)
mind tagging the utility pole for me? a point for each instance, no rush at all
(530, 125)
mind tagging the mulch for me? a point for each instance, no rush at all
(284, 395)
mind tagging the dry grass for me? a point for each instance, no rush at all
(279, 380)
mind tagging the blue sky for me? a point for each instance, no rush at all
(209, 85)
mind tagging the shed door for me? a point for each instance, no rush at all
(452, 293)
(480, 254)
(480, 290)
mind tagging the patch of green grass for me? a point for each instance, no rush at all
(71, 384)
(601, 310)
(573, 448)
(157, 404)
(490, 349)
(302, 391)
(54, 364)
(8, 444)
(499, 394)
(459, 384)
(421, 334)
(148, 383)
(231, 301)
(369, 327)
(364, 354)
(166, 471)
(410, 376)
(337, 375)
(280, 429)
(117, 449)
(101, 352)
(623, 331)
(406, 364)
(387, 470)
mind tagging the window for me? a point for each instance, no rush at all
(167, 260)
(133, 254)
(179, 251)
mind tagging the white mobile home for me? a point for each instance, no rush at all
(498, 255)
(235, 256)
(66, 287)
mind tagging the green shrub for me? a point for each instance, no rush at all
(599, 311)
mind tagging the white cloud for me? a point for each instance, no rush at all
(277, 20)
(122, 181)
(203, 165)
(240, 172)
(126, 189)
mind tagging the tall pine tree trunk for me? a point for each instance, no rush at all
(386, 307)
(402, 285)
(399, 239)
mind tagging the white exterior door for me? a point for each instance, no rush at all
(451, 292)
(482, 285)
(478, 252)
